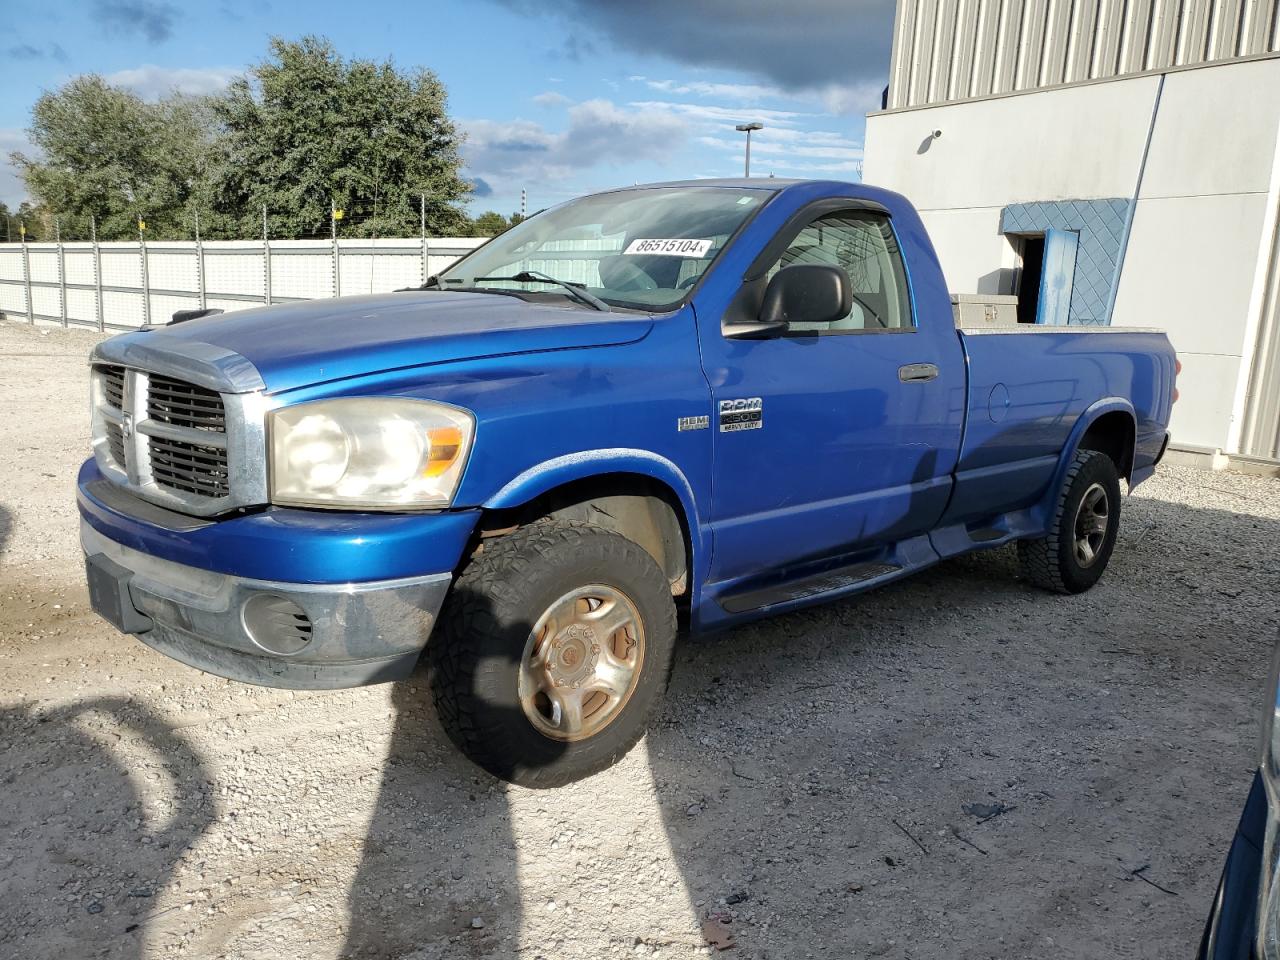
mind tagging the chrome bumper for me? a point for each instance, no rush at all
(360, 633)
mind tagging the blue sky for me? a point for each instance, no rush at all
(558, 98)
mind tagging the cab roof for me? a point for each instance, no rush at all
(775, 184)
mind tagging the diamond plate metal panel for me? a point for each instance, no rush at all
(1100, 224)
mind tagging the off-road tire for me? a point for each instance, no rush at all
(473, 658)
(1050, 562)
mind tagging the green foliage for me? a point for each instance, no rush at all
(38, 222)
(109, 155)
(489, 224)
(307, 129)
(302, 132)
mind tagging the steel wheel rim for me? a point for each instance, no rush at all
(1092, 519)
(581, 662)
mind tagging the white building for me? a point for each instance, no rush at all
(1109, 161)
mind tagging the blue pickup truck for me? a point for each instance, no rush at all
(703, 402)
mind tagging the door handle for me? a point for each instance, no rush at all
(917, 372)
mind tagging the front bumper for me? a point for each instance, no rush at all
(360, 633)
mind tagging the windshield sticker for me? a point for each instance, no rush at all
(697, 249)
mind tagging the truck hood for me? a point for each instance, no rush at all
(315, 341)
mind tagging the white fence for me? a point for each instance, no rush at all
(122, 286)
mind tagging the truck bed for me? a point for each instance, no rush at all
(1027, 389)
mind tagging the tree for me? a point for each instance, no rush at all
(307, 129)
(37, 221)
(107, 154)
(490, 224)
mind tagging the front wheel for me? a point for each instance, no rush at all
(554, 648)
(1083, 529)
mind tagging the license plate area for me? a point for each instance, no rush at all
(110, 597)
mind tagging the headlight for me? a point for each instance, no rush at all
(373, 453)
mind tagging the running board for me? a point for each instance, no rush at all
(807, 587)
(987, 534)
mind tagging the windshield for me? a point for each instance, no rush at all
(634, 248)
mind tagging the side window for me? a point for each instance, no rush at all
(863, 243)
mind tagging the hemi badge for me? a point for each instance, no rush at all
(693, 423)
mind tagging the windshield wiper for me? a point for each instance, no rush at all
(537, 276)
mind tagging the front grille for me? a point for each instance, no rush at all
(113, 385)
(189, 467)
(170, 434)
(115, 443)
(185, 405)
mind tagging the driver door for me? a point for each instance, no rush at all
(847, 451)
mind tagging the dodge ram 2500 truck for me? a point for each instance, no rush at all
(713, 400)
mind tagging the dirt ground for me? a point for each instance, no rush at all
(956, 766)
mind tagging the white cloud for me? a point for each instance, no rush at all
(724, 91)
(721, 114)
(759, 145)
(601, 133)
(858, 98)
(788, 151)
(835, 98)
(551, 99)
(151, 82)
(12, 190)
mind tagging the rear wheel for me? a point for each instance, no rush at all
(1082, 533)
(554, 649)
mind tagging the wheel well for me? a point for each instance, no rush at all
(639, 508)
(1112, 434)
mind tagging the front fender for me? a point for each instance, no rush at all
(550, 474)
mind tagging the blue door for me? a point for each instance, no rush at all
(1057, 277)
(835, 436)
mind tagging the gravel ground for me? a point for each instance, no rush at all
(956, 766)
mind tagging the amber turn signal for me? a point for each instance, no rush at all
(446, 445)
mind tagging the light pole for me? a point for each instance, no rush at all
(747, 128)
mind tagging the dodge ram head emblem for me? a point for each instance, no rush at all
(126, 425)
(746, 414)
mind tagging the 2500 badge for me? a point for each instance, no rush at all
(745, 414)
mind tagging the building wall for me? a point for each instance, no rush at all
(1206, 191)
(946, 50)
(1100, 228)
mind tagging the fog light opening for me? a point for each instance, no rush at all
(276, 624)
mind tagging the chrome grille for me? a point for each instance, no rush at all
(115, 444)
(113, 385)
(190, 467)
(185, 405)
(165, 438)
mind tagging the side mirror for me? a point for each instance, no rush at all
(807, 293)
(803, 293)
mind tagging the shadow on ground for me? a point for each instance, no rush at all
(95, 848)
(95, 852)
(956, 765)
